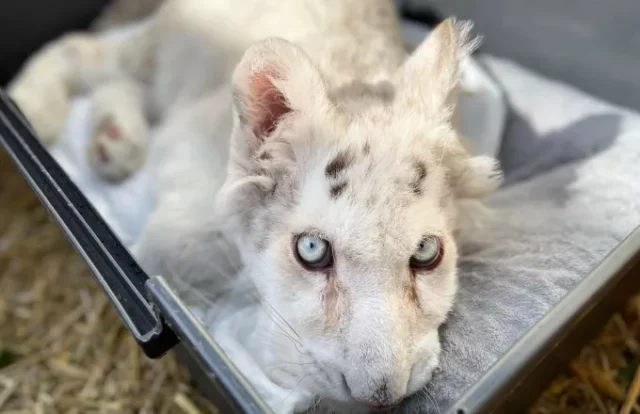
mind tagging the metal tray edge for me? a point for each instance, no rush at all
(518, 377)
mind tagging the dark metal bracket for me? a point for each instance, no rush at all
(110, 262)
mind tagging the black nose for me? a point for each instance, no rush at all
(379, 400)
(373, 407)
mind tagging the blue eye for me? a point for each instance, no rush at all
(313, 251)
(428, 255)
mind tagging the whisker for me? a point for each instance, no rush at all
(284, 363)
(296, 387)
(432, 399)
(227, 249)
(295, 344)
(316, 405)
(295, 341)
(283, 319)
(284, 331)
(177, 280)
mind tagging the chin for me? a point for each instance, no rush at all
(342, 407)
(422, 374)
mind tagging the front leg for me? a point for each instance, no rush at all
(121, 132)
(46, 83)
(73, 64)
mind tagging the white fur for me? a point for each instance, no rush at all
(342, 70)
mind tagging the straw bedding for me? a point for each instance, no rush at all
(64, 350)
(604, 377)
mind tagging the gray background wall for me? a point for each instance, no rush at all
(592, 44)
(25, 25)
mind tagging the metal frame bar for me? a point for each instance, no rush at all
(110, 262)
(518, 378)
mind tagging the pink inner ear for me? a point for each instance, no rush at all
(268, 104)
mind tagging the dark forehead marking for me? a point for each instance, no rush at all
(420, 173)
(337, 189)
(265, 155)
(274, 189)
(341, 162)
(366, 149)
(421, 170)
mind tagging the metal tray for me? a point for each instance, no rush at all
(513, 383)
(159, 321)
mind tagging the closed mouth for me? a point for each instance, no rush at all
(381, 408)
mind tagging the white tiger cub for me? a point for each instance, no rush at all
(301, 132)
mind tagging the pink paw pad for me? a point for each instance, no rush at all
(103, 156)
(112, 131)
